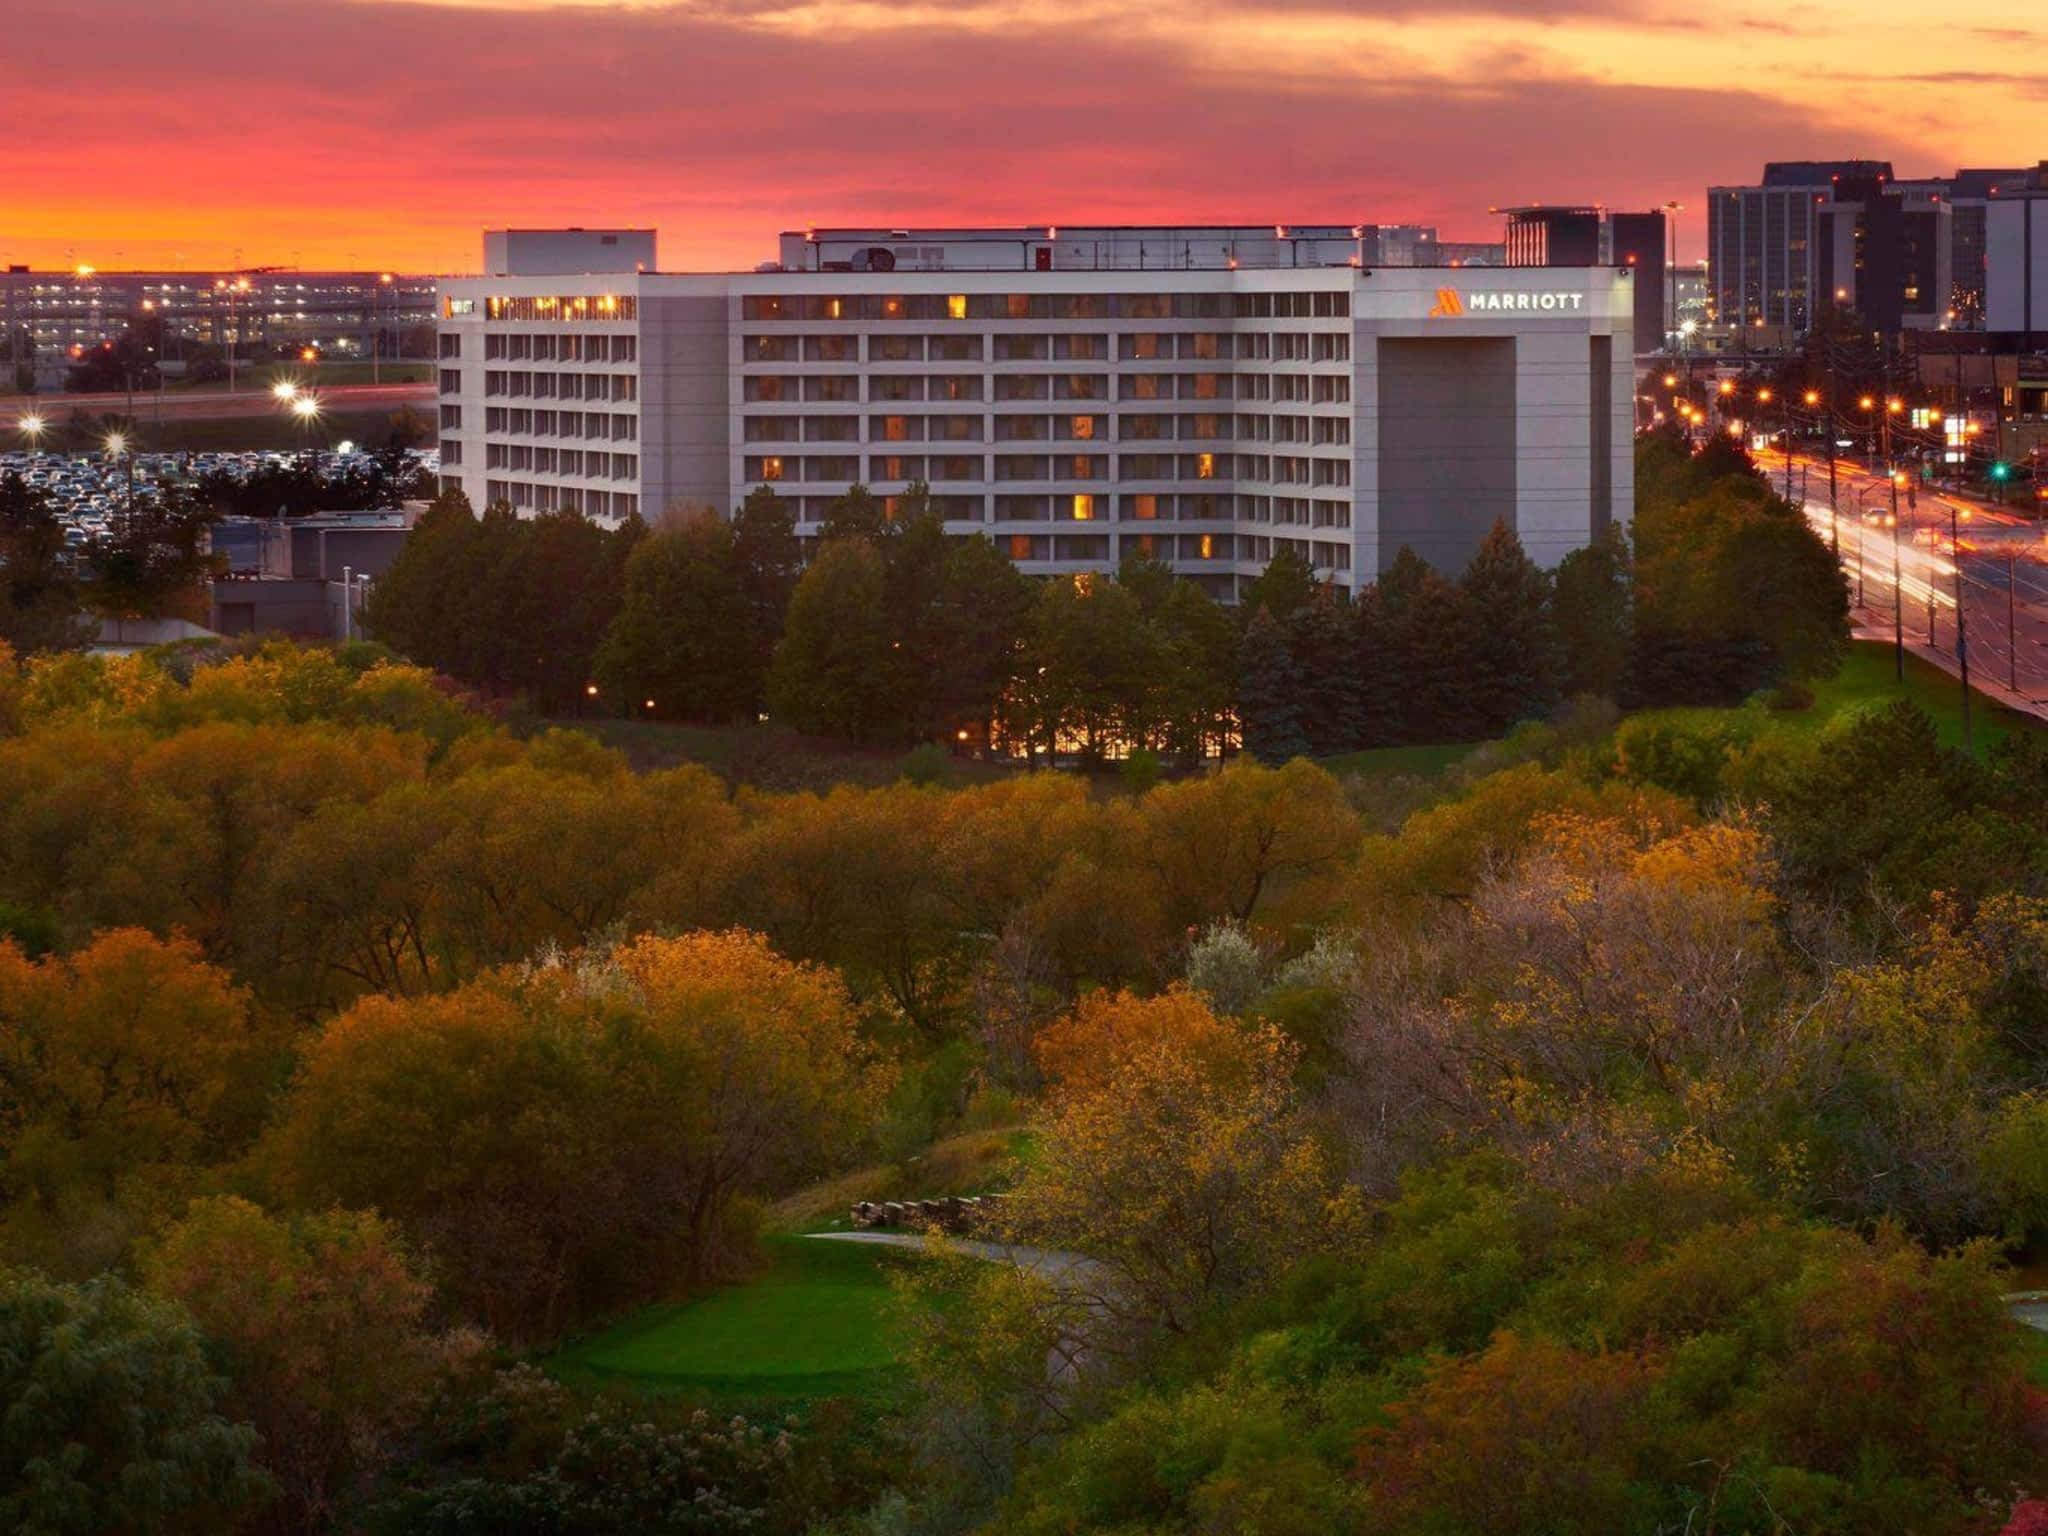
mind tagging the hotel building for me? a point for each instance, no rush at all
(1066, 394)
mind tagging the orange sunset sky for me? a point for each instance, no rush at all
(207, 133)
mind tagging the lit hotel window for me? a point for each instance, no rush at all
(956, 306)
(892, 309)
(771, 469)
(1208, 547)
(835, 309)
(1145, 508)
(1205, 466)
(1084, 508)
(1020, 546)
(1084, 427)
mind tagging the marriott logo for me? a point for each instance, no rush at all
(1450, 303)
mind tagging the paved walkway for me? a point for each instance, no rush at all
(2030, 1307)
(1073, 1270)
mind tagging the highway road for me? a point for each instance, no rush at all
(2004, 567)
(208, 405)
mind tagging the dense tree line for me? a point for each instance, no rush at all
(897, 633)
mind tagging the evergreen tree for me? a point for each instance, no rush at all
(833, 672)
(1269, 693)
(1319, 636)
(685, 636)
(1431, 630)
(1286, 585)
(770, 562)
(1198, 642)
(913, 585)
(1514, 642)
(1592, 607)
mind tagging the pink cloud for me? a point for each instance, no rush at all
(394, 133)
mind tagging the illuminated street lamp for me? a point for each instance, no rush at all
(32, 427)
(285, 391)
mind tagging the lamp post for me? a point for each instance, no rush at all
(32, 427)
(305, 408)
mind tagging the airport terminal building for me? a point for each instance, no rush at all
(1071, 398)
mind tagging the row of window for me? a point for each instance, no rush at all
(562, 461)
(1204, 426)
(1203, 346)
(528, 384)
(526, 495)
(566, 347)
(576, 307)
(816, 469)
(886, 388)
(1328, 304)
(598, 426)
(1124, 507)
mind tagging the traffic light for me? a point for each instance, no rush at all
(2000, 470)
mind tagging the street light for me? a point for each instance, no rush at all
(285, 391)
(32, 427)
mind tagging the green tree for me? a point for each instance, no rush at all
(152, 560)
(769, 561)
(1287, 582)
(1592, 604)
(834, 666)
(984, 607)
(38, 594)
(1514, 643)
(1430, 632)
(685, 640)
(1270, 693)
(112, 1420)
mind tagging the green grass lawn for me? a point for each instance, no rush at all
(766, 756)
(820, 1321)
(1392, 762)
(1868, 680)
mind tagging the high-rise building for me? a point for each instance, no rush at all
(1552, 235)
(2016, 243)
(1850, 235)
(1073, 406)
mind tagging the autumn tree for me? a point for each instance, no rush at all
(1231, 843)
(1175, 1158)
(321, 1321)
(123, 1065)
(612, 1108)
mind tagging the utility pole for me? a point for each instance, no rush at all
(1898, 595)
(2012, 644)
(1955, 559)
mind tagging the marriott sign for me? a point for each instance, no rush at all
(1450, 303)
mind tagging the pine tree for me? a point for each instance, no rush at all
(1286, 585)
(1592, 606)
(1432, 654)
(1269, 692)
(1320, 638)
(1515, 641)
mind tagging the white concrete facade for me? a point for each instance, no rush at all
(1208, 416)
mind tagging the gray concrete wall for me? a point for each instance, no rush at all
(688, 441)
(1446, 445)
